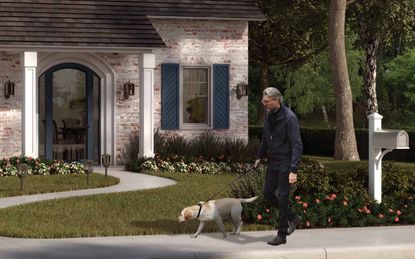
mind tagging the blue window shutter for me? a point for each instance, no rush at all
(221, 96)
(170, 96)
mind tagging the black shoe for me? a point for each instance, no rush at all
(292, 225)
(278, 240)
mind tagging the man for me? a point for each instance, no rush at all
(281, 143)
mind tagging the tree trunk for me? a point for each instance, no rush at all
(263, 84)
(370, 77)
(345, 142)
(325, 116)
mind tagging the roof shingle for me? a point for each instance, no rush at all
(105, 23)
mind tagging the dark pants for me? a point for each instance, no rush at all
(277, 190)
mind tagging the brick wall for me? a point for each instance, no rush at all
(10, 109)
(206, 42)
(188, 42)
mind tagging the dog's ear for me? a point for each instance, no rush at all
(187, 215)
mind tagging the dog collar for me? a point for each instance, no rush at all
(200, 209)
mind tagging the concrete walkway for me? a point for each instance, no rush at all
(363, 243)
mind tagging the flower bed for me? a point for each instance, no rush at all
(39, 166)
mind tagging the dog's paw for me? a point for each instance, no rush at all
(224, 235)
(193, 236)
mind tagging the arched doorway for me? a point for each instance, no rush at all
(69, 113)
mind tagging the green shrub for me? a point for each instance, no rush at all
(176, 145)
(207, 146)
(397, 181)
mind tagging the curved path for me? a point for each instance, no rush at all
(128, 182)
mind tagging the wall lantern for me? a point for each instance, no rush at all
(241, 90)
(128, 89)
(8, 89)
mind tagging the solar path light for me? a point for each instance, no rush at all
(22, 173)
(88, 168)
(106, 161)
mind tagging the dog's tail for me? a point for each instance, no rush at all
(248, 200)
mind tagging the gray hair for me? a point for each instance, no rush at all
(273, 93)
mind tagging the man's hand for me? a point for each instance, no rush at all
(256, 164)
(292, 178)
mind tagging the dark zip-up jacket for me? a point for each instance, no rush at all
(281, 139)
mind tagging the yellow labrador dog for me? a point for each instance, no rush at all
(216, 210)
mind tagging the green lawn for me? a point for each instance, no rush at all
(337, 165)
(153, 211)
(35, 184)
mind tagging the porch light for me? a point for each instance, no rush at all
(128, 89)
(8, 89)
(106, 161)
(241, 90)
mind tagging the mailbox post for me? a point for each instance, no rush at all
(381, 142)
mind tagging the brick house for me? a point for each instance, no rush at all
(80, 77)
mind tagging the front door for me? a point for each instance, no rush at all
(69, 113)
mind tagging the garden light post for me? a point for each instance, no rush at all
(88, 168)
(106, 161)
(21, 173)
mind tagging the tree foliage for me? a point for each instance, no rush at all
(381, 25)
(312, 87)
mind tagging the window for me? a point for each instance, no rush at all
(195, 96)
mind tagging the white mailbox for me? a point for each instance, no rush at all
(391, 139)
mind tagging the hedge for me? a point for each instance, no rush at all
(320, 141)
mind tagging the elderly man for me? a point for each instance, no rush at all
(281, 144)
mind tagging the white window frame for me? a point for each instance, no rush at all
(194, 126)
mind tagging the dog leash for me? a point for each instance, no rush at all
(213, 196)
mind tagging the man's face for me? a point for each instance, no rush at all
(269, 103)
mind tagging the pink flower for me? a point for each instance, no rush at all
(381, 216)
(396, 219)
(259, 217)
(267, 210)
(391, 210)
(317, 201)
(305, 204)
(345, 203)
(329, 220)
(307, 223)
(398, 212)
(297, 198)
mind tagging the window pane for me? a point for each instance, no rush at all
(195, 95)
(203, 89)
(203, 75)
(195, 110)
(186, 75)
